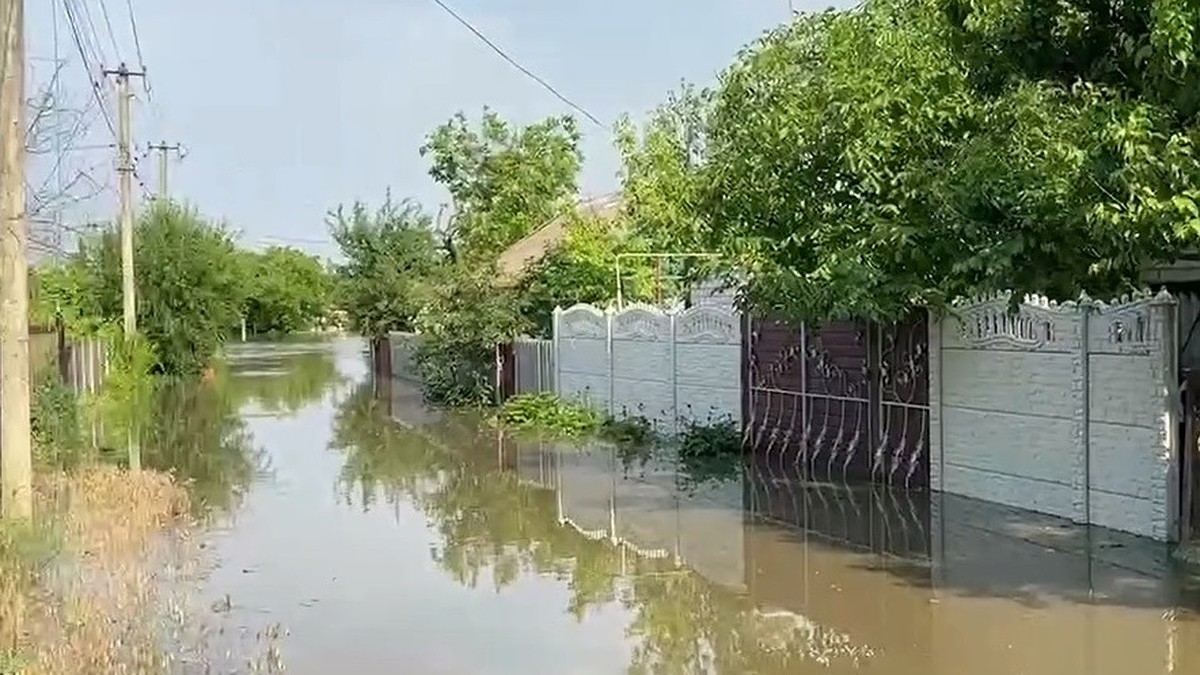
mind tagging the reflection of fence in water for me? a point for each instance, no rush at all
(403, 353)
(643, 510)
(864, 517)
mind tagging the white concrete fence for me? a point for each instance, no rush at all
(1066, 409)
(642, 361)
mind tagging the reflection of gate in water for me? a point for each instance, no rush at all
(846, 400)
(868, 518)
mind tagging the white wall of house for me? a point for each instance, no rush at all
(1065, 409)
(642, 361)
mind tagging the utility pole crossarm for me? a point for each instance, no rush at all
(163, 149)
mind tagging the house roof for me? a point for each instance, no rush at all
(517, 259)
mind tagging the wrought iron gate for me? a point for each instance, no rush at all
(846, 401)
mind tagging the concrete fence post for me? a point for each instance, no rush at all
(1083, 506)
(609, 315)
(1164, 320)
(556, 373)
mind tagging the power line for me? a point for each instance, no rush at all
(77, 37)
(137, 46)
(112, 35)
(528, 73)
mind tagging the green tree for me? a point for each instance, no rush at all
(287, 290)
(189, 283)
(61, 291)
(911, 151)
(660, 176)
(504, 180)
(583, 269)
(462, 319)
(388, 254)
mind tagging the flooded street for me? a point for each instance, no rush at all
(383, 537)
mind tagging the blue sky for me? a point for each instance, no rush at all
(289, 107)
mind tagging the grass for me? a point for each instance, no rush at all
(104, 583)
(80, 593)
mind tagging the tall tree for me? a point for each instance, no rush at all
(189, 279)
(505, 180)
(287, 290)
(388, 254)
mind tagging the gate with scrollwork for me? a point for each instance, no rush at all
(841, 401)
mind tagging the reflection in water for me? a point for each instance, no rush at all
(575, 519)
(446, 547)
(282, 379)
(195, 432)
(195, 429)
(768, 574)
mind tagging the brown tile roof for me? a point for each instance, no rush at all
(530, 250)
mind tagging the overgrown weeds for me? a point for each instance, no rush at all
(709, 450)
(79, 594)
(56, 425)
(101, 585)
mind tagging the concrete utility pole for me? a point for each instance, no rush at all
(163, 150)
(16, 451)
(125, 169)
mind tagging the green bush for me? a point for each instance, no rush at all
(189, 283)
(56, 423)
(546, 413)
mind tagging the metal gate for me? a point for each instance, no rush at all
(846, 400)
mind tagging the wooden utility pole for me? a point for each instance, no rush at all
(125, 170)
(163, 150)
(16, 447)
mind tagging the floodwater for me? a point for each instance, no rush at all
(385, 537)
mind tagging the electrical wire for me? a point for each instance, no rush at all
(513, 62)
(112, 35)
(77, 37)
(137, 44)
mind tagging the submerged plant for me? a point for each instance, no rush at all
(547, 414)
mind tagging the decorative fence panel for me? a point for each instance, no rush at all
(1067, 409)
(841, 401)
(642, 361)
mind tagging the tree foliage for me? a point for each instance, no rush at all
(190, 290)
(910, 151)
(462, 319)
(388, 254)
(504, 180)
(584, 269)
(287, 290)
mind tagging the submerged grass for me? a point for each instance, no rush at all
(91, 588)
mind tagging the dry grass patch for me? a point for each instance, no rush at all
(90, 590)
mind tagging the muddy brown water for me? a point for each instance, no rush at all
(382, 536)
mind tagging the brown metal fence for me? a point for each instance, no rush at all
(846, 400)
